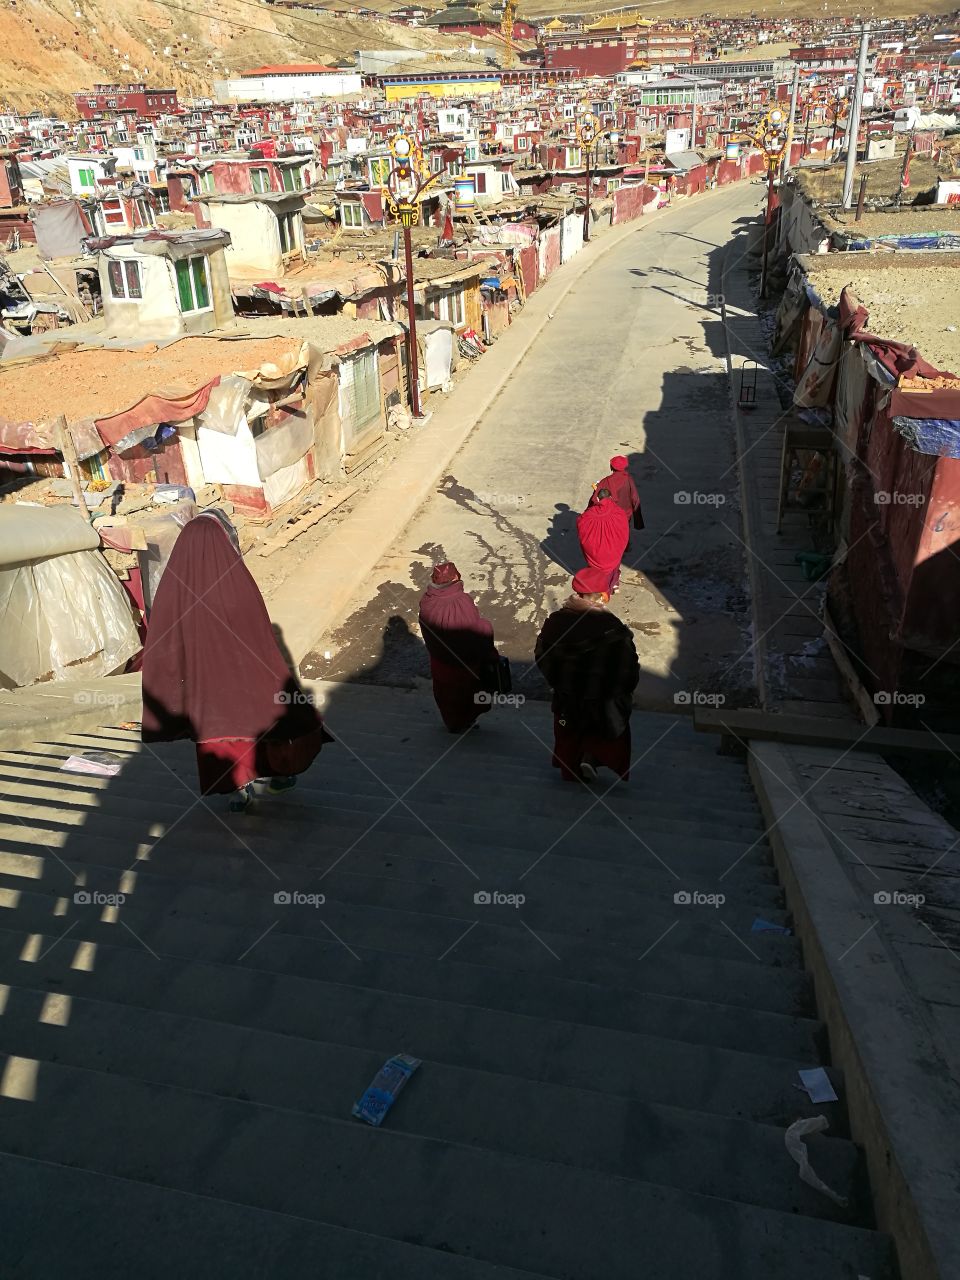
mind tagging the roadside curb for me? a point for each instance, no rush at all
(898, 1089)
(749, 513)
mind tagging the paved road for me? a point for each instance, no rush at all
(632, 362)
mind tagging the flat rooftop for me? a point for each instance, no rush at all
(910, 297)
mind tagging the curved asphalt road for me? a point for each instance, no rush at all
(633, 362)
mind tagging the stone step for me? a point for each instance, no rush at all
(114, 1228)
(403, 808)
(575, 1223)
(451, 895)
(195, 859)
(709, 1155)
(734, 1024)
(380, 775)
(293, 933)
(642, 1064)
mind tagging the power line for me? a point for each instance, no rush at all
(244, 26)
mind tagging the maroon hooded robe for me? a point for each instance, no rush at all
(624, 493)
(460, 644)
(604, 533)
(213, 672)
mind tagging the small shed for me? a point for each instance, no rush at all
(165, 283)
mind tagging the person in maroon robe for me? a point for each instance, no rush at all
(588, 658)
(213, 671)
(622, 490)
(460, 644)
(604, 533)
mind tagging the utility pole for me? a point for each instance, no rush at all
(855, 109)
(790, 121)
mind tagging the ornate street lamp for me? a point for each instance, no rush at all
(589, 135)
(405, 183)
(771, 137)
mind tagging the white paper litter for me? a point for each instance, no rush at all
(794, 1142)
(817, 1084)
(96, 762)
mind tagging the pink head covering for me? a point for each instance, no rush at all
(619, 463)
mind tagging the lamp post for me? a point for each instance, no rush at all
(771, 136)
(587, 134)
(405, 182)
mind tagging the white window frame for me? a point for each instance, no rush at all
(259, 173)
(452, 308)
(351, 213)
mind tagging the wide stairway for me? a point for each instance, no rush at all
(607, 1068)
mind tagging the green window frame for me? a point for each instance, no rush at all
(291, 180)
(193, 285)
(260, 180)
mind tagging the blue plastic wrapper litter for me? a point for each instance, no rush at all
(381, 1093)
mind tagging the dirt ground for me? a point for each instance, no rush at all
(909, 221)
(88, 384)
(919, 305)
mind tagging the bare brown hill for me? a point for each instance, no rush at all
(50, 48)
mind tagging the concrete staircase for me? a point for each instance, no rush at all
(607, 1072)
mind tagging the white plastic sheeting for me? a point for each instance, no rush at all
(36, 533)
(63, 618)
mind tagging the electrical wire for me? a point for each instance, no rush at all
(244, 26)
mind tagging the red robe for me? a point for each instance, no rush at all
(624, 493)
(604, 533)
(460, 644)
(213, 672)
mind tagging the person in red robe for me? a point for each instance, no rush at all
(588, 658)
(622, 489)
(213, 671)
(459, 641)
(604, 533)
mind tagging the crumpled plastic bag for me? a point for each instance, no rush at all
(794, 1141)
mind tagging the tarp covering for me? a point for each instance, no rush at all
(36, 533)
(282, 446)
(151, 410)
(937, 436)
(60, 229)
(63, 615)
(33, 437)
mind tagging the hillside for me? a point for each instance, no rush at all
(50, 48)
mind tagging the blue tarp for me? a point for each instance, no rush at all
(933, 240)
(937, 436)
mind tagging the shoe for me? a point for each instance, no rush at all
(588, 771)
(242, 798)
(278, 785)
